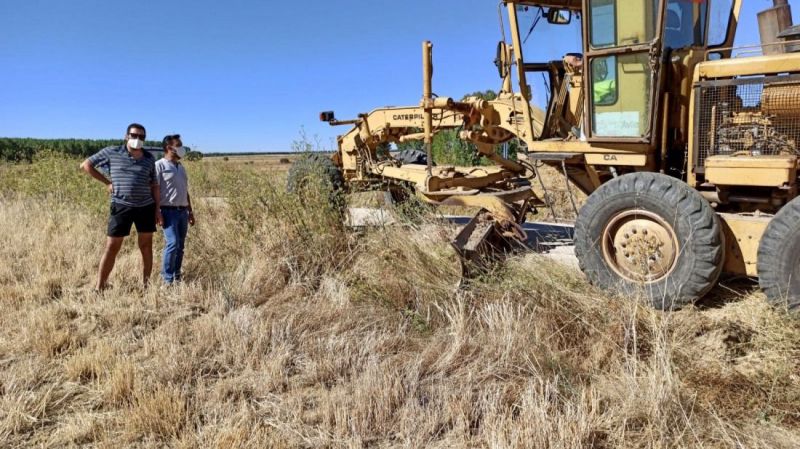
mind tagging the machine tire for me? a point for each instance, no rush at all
(314, 166)
(412, 157)
(779, 258)
(672, 212)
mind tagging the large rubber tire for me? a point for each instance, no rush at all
(317, 168)
(696, 251)
(779, 258)
(412, 157)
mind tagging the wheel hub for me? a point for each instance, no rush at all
(640, 246)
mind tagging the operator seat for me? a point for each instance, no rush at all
(574, 61)
(569, 102)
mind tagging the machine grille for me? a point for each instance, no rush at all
(748, 115)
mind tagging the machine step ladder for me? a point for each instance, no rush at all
(539, 160)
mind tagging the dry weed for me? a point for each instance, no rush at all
(159, 413)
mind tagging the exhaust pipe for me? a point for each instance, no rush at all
(427, 101)
(772, 22)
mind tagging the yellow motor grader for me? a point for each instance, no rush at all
(686, 146)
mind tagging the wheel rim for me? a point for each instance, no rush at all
(640, 246)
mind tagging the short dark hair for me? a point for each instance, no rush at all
(168, 139)
(135, 125)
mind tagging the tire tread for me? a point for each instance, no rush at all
(689, 206)
(773, 266)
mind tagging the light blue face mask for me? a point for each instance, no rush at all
(180, 151)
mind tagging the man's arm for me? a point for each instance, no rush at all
(88, 167)
(191, 211)
(156, 191)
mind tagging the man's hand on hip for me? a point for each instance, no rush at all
(110, 188)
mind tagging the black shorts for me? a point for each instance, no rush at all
(122, 217)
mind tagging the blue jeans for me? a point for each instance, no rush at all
(176, 224)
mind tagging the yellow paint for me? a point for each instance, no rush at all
(765, 171)
(626, 160)
(757, 65)
(742, 237)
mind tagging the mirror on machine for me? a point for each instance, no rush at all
(327, 116)
(557, 16)
(501, 60)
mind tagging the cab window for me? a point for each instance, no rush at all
(621, 86)
(719, 21)
(603, 23)
(604, 81)
(616, 23)
(685, 23)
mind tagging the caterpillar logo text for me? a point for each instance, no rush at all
(407, 117)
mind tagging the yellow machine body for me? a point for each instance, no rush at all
(650, 92)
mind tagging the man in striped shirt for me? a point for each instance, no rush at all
(134, 199)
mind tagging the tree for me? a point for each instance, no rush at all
(449, 149)
(193, 155)
(511, 147)
(24, 149)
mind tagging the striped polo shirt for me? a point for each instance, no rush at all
(131, 178)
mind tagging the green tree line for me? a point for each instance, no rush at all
(15, 149)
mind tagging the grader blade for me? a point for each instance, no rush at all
(485, 240)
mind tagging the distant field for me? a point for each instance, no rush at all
(268, 161)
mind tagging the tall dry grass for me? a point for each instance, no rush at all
(292, 331)
(559, 194)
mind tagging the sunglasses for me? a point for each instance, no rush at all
(137, 135)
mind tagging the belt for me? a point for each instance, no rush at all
(175, 207)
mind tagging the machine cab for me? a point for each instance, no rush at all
(608, 88)
(621, 63)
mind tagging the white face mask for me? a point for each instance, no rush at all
(135, 144)
(180, 151)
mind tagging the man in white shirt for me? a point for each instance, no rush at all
(176, 206)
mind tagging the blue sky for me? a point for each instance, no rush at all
(241, 75)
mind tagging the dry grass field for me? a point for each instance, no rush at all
(261, 162)
(292, 331)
